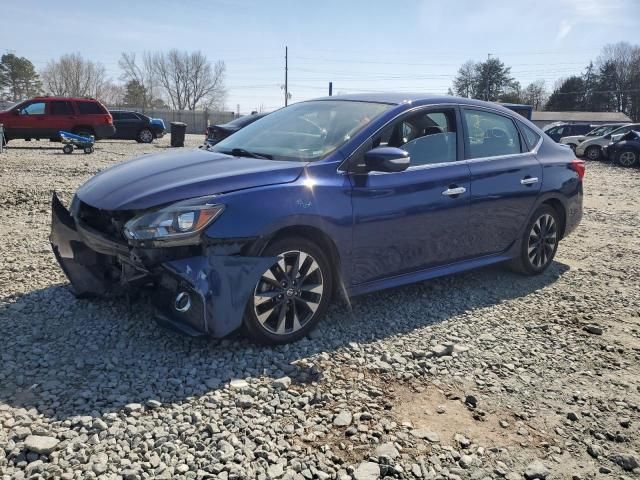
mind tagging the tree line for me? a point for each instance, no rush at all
(611, 83)
(175, 79)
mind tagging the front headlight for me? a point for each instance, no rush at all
(179, 223)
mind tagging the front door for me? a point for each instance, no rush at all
(505, 180)
(31, 121)
(416, 219)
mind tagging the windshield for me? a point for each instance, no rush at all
(304, 132)
(597, 132)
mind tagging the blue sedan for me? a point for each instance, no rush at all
(339, 195)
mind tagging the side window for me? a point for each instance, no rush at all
(58, 107)
(89, 108)
(531, 136)
(36, 108)
(428, 137)
(490, 134)
(115, 115)
(129, 116)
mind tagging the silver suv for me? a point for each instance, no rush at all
(592, 148)
(574, 140)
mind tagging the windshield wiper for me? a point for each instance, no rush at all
(241, 152)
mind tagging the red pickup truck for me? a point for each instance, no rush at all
(43, 117)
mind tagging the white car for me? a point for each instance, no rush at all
(592, 148)
(574, 140)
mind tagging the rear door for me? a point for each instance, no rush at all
(506, 178)
(415, 219)
(61, 117)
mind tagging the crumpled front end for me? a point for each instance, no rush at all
(197, 291)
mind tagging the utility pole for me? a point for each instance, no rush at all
(486, 91)
(330, 88)
(286, 76)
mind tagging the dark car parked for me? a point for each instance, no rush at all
(347, 194)
(215, 133)
(137, 126)
(626, 151)
(556, 132)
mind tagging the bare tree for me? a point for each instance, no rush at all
(535, 94)
(189, 79)
(141, 73)
(111, 94)
(622, 56)
(72, 75)
(465, 79)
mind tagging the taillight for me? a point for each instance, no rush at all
(578, 166)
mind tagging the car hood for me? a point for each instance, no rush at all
(573, 138)
(158, 179)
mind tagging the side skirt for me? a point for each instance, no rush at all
(427, 274)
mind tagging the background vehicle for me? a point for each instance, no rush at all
(44, 117)
(574, 140)
(626, 151)
(136, 126)
(556, 132)
(215, 133)
(261, 229)
(592, 148)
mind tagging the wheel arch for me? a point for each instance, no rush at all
(559, 207)
(311, 233)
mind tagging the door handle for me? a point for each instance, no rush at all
(529, 180)
(452, 192)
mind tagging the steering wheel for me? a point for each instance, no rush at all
(496, 132)
(321, 131)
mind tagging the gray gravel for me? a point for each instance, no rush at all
(482, 375)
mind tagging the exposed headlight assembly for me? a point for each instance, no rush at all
(177, 224)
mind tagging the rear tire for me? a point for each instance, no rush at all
(68, 149)
(627, 158)
(593, 153)
(539, 242)
(291, 296)
(88, 150)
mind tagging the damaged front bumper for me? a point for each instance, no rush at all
(204, 294)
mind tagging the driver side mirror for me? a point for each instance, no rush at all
(16, 111)
(387, 159)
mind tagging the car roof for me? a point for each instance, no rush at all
(399, 98)
(47, 97)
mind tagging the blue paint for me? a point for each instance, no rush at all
(388, 229)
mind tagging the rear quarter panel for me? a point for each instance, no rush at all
(561, 182)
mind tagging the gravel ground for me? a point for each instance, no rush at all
(481, 375)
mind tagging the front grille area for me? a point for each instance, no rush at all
(109, 223)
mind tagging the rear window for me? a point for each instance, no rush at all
(90, 108)
(60, 107)
(531, 136)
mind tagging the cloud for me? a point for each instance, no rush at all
(565, 29)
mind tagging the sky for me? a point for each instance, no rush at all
(359, 45)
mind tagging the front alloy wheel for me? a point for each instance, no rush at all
(291, 295)
(627, 158)
(593, 153)
(145, 136)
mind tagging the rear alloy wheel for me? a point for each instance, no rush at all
(540, 242)
(593, 153)
(628, 158)
(291, 295)
(145, 136)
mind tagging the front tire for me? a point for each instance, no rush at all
(68, 149)
(145, 136)
(593, 153)
(292, 295)
(627, 158)
(539, 243)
